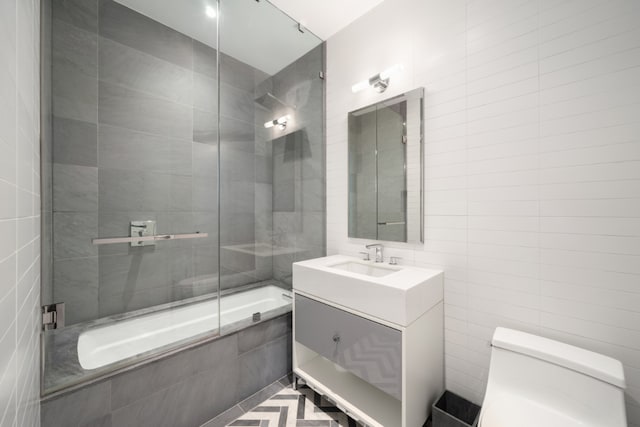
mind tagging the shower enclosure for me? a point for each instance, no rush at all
(182, 174)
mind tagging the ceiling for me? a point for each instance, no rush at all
(256, 33)
(325, 17)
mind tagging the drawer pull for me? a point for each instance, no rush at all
(336, 338)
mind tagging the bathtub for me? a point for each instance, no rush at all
(104, 345)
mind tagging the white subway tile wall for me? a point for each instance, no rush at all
(532, 156)
(19, 212)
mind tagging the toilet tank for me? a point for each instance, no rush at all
(538, 381)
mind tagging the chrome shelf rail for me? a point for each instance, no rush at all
(158, 237)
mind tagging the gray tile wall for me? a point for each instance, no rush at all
(186, 389)
(134, 129)
(19, 212)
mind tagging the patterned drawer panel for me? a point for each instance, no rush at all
(368, 349)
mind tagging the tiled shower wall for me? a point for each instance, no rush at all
(135, 138)
(532, 167)
(19, 212)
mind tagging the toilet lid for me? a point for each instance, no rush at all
(509, 411)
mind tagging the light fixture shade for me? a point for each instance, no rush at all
(360, 86)
(281, 122)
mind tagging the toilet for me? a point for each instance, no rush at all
(535, 381)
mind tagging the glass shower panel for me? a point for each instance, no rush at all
(271, 156)
(130, 152)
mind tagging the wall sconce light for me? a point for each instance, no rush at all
(281, 123)
(379, 82)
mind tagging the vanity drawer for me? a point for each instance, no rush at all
(368, 349)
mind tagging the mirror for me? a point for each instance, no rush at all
(386, 169)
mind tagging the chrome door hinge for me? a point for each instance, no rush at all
(53, 316)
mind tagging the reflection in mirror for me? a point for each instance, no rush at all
(385, 170)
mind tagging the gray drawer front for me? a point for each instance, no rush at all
(368, 349)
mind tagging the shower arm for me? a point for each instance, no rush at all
(113, 240)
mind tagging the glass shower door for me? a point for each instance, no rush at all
(271, 158)
(130, 178)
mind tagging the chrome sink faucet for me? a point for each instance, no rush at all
(379, 251)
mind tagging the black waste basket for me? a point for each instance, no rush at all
(451, 410)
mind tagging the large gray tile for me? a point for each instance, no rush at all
(180, 194)
(121, 148)
(79, 13)
(123, 107)
(75, 142)
(238, 197)
(140, 383)
(263, 169)
(205, 160)
(205, 194)
(237, 228)
(238, 74)
(238, 134)
(130, 28)
(81, 407)
(205, 93)
(236, 165)
(180, 269)
(205, 126)
(264, 365)
(72, 234)
(192, 402)
(206, 264)
(133, 300)
(255, 336)
(75, 282)
(236, 103)
(121, 276)
(131, 190)
(204, 60)
(311, 193)
(140, 71)
(75, 188)
(74, 73)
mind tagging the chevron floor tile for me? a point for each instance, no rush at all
(295, 408)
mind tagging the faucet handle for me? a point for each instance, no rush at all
(394, 260)
(366, 256)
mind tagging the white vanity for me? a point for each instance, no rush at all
(369, 337)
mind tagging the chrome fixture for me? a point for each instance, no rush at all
(112, 240)
(365, 256)
(394, 260)
(281, 123)
(379, 251)
(380, 81)
(53, 316)
(143, 229)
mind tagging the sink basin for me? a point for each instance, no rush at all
(393, 293)
(365, 268)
